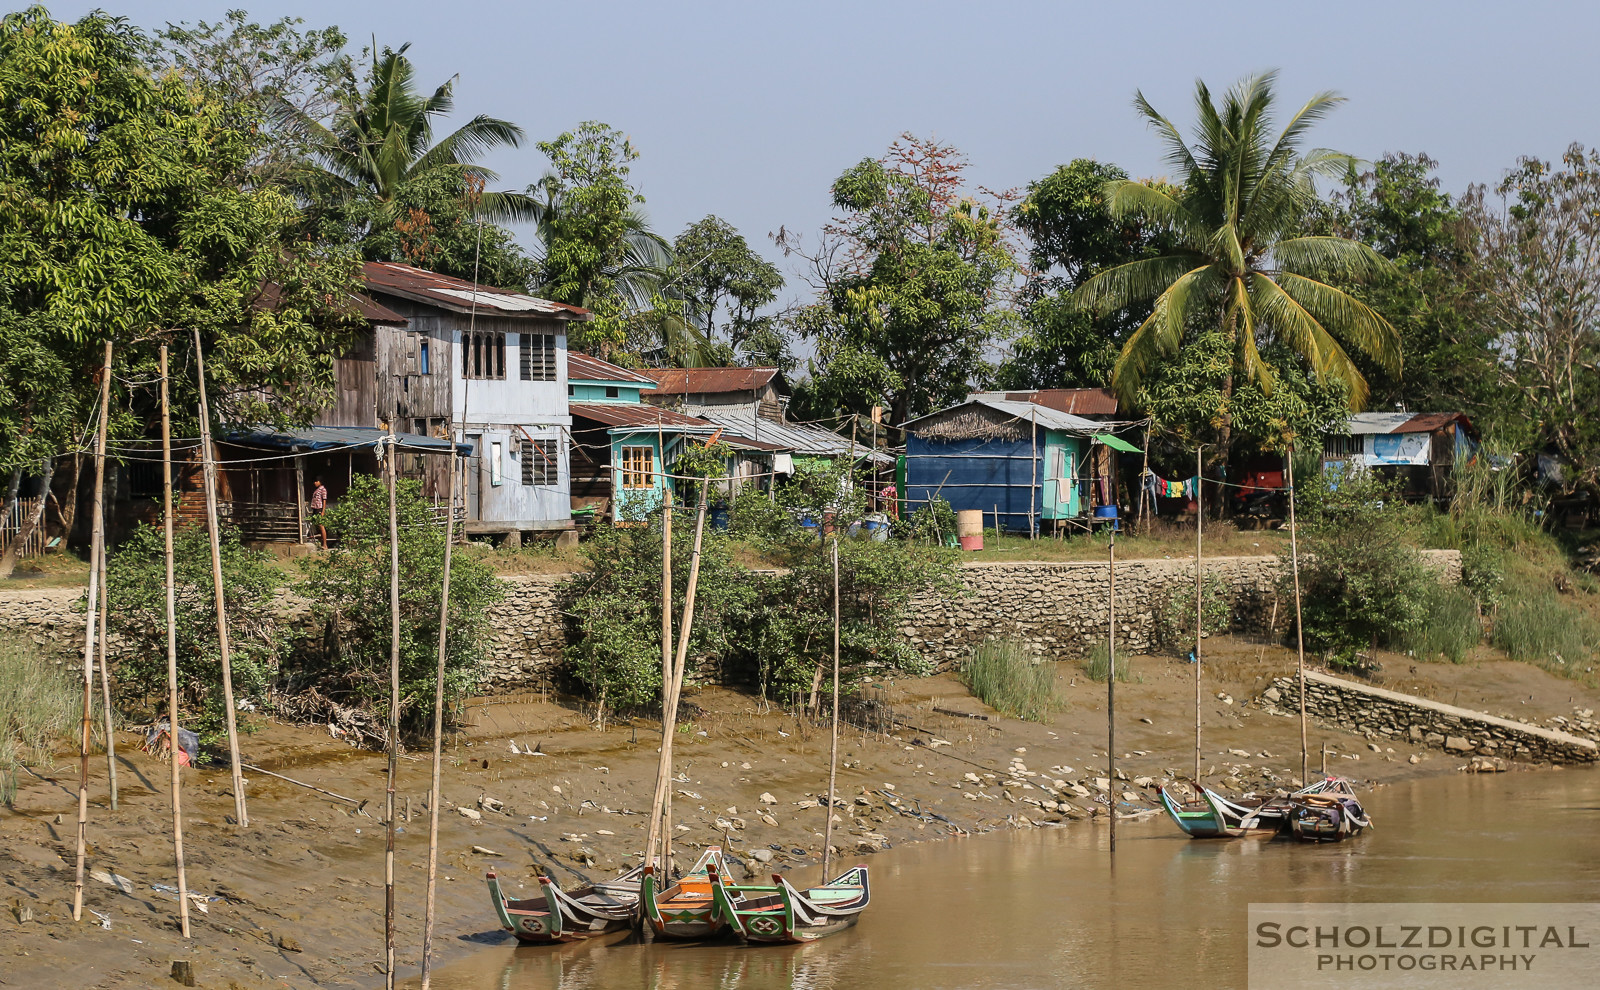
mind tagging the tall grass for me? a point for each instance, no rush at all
(1098, 660)
(39, 703)
(1006, 676)
(1535, 625)
(1450, 625)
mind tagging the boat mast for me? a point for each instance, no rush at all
(1199, 622)
(663, 769)
(1299, 626)
(684, 626)
(833, 752)
(394, 707)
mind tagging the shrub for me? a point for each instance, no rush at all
(1451, 624)
(1174, 612)
(933, 523)
(1483, 573)
(1005, 675)
(349, 590)
(1098, 660)
(39, 703)
(137, 609)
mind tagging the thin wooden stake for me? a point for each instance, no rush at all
(209, 462)
(1111, 682)
(392, 455)
(685, 625)
(1299, 627)
(95, 549)
(1199, 622)
(168, 510)
(105, 669)
(1143, 471)
(833, 752)
(664, 767)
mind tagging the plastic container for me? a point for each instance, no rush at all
(1105, 512)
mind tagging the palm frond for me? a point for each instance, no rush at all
(1294, 325)
(1241, 308)
(1322, 256)
(1129, 198)
(1159, 336)
(469, 141)
(1122, 286)
(1178, 156)
(1348, 318)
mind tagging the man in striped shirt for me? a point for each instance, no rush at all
(319, 502)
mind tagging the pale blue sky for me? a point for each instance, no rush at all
(749, 110)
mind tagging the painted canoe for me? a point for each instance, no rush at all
(685, 908)
(779, 913)
(567, 916)
(1213, 816)
(1328, 817)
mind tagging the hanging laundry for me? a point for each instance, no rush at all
(1162, 488)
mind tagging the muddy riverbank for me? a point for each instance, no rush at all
(298, 896)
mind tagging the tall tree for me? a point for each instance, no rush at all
(913, 283)
(1538, 257)
(598, 250)
(1242, 265)
(1073, 237)
(124, 213)
(717, 268)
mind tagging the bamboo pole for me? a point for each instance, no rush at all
(394, 712)
(1299, 627)
(1142, 472)
(434, 788)
(104, 664)
(1033, 477)
(95, 549)
(209, 462)
(1199, 622)
(684, 626)
(833, 752)
(167, 511)
(663, 771)
(1111, 681)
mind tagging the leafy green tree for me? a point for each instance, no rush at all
(1430, 295)
(1241, 265)
(1073, 237)
(598, 250)
(137, 608)
(1537, 260)
(717, 268)
(912, 285)
(124, 215)
(261, 71)
(349, 591)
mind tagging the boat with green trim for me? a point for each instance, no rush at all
(567, 916)
(779, 913)
(685, 908)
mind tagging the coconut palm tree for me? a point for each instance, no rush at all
(1237, 212)
(384, 140)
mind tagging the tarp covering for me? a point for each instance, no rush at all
(1117, 443)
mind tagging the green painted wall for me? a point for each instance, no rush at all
(1061, 469)
(596, 392)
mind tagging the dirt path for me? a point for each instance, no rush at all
(300, 893)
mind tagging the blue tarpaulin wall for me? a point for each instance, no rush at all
(981, 475)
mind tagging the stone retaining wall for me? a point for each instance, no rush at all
(1381, 714)
(1059, 609)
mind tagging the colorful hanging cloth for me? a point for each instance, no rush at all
(1162, 488)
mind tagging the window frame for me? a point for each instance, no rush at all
(497, 453)
(541, 464)
(633, 477)
(483, 355)
(545, 368)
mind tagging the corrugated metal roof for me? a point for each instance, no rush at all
(1401, 422)
(802, 439)
(1050, 419)
(585, 368)
(627, 417)
(356, 304)
(457, 295)
(695, 381)
(1078, 401)
(337, 437)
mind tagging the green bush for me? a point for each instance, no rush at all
(1175, 618)
(1005, 675)
(40, 702)
(1097, 662)
(1451, 625)
(349, 591)
(137, 610)
(933, 523)
(1483, 572)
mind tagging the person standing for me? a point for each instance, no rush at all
(319, 502)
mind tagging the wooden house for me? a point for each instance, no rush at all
(623, 449)
(1026, 462)
(1417, 449)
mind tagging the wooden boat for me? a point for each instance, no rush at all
(1331, 814)
(687, 908)
(1213, 816)
(781, 914)
(566, 916)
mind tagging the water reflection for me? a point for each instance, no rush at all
(1045, 909)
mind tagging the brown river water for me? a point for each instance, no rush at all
(1046, 908)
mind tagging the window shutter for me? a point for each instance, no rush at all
(525, 345)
